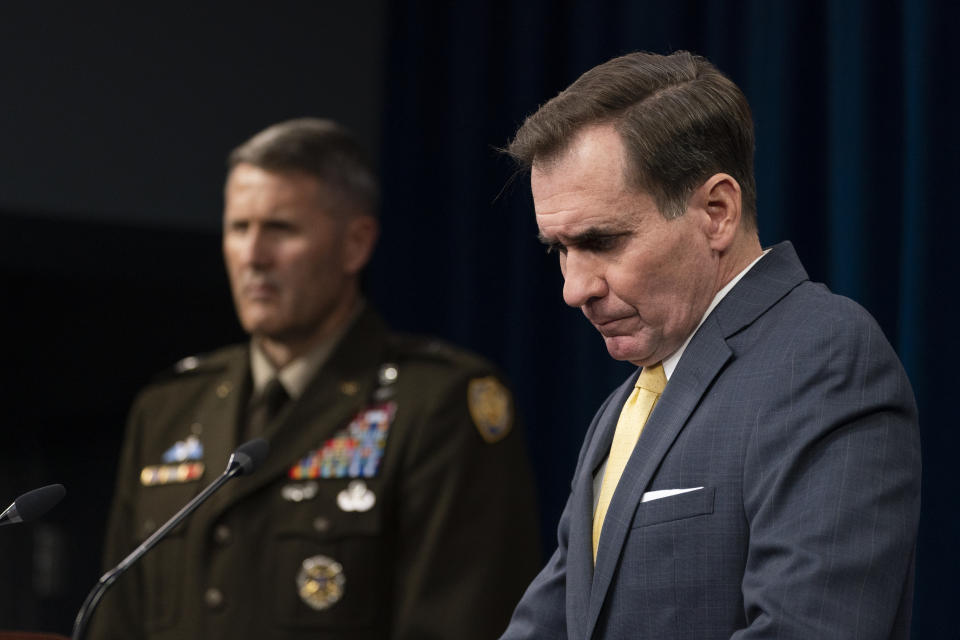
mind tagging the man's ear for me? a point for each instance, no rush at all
(720, 199)
(359, 239)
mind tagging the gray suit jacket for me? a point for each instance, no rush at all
(792, 412)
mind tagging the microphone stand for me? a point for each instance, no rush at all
(238, 464)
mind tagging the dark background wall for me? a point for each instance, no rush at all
(122, 112)
(113, 128)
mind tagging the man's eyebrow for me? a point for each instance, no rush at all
(545, 240)
(587, 235)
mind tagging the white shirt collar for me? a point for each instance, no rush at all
(670, 363)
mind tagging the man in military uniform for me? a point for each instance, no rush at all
(396, 501)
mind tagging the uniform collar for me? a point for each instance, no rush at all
(298, 373)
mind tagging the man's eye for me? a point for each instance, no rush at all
(555, 248)
(600, 244)
(280, 226)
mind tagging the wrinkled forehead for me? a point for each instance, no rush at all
(593, 148)
(594, 161)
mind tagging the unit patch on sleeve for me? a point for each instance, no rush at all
(490, 408)
(355, 451)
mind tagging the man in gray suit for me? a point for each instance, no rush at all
(760, 477)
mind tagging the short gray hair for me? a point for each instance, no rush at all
(320, 148)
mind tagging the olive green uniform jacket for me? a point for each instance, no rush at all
(445, 550)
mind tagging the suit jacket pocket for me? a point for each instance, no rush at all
(677, 507)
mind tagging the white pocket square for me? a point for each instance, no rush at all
(665, 493)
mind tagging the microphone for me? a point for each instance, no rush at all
(247, 457)
(33, 504)
(243, 461)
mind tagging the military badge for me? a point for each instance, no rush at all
(387, 374)
(299, 491)
(183, 450)
(353, 452)
(160, 474)
(490, 407)
(356, 497)
(320, 582)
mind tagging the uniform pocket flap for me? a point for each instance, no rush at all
(329, 524)
(329, 509)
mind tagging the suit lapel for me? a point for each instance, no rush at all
(579, 564)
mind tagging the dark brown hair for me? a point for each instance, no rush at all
(680, 119)
(320, 148)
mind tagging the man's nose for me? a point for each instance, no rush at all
(257, 248)
(582, 280)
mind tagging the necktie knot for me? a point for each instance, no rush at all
(273, 397)
(264, 407)
(653, 378)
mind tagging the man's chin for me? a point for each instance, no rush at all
(628, 349)
(262, 325)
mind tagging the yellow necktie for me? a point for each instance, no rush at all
(633, 416)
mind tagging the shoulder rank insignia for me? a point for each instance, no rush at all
(490, 407)
(186, 364)
(353, 452)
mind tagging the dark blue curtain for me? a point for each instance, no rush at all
(856, 107)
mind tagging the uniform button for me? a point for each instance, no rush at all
(222, 534)
(387, 374)
(213, 598)
(321, 524)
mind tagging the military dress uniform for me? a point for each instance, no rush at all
(395, 502)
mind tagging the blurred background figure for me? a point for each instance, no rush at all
(396, 501)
